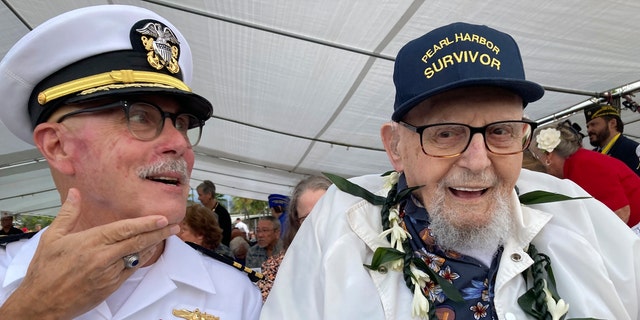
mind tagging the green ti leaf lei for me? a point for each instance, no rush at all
(541, 301)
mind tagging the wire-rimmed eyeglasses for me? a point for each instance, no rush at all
(447, 140)
(145, 121)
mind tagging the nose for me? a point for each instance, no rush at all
(476, 157)
(175, 139)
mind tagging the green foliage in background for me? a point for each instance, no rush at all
(30, 221)
(249, 207)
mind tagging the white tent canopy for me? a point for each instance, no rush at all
(302, 87)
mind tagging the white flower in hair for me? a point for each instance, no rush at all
(548, 139)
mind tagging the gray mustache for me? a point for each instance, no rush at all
(163, 167)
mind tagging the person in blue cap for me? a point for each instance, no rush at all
(278, 204)
(450, 232)
(103, 93)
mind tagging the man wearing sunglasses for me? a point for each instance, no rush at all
(103, 92)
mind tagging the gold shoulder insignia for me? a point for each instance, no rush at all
(253, 275)
(193, 315)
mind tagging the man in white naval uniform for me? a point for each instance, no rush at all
(103, 92)
(457, 135)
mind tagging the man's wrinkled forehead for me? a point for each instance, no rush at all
(265, 222)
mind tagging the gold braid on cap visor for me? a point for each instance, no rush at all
(141, 78)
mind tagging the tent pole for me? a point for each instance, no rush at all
(596, 97)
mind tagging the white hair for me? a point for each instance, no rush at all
(237, 243)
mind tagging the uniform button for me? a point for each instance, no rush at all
(382, 269)
(509, 316)
(516, 257)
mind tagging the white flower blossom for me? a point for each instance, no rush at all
(548, 139)
(398, 234)
(391, 179)
(394, 214)
(396, 265)
(420, 304)
(556, 309)
(418, 277)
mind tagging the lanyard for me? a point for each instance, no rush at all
(606, 149)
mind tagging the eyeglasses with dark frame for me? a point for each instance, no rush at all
(448, 140)
(145, 121)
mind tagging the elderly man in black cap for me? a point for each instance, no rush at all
(103, 92)
(446, 235)
(605, 127)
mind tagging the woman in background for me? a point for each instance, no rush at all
(559, 149)
(200, 226)
(304, 196)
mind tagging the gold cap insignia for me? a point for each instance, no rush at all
(161, 44)
(597, 111)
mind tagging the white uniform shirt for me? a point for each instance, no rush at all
(182, 278)
(595, 259)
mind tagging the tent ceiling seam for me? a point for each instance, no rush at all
(18, 16)
(298, 136)
(393, 32)
(270, 30)
(241, 177)
(28, 194)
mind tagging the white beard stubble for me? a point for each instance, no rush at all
(450, 234)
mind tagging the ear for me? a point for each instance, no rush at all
(48, 138)
(390, 139)
(545, 157)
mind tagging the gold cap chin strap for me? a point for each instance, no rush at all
(108, 78)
